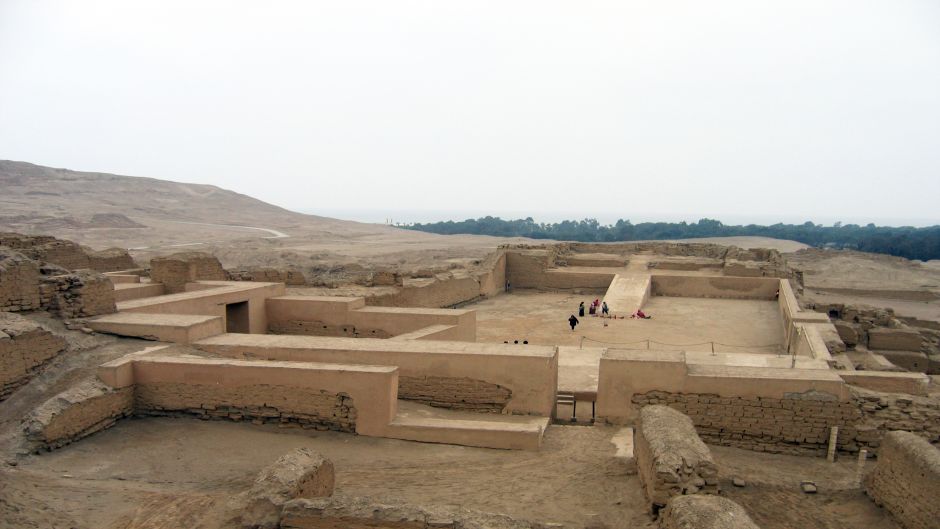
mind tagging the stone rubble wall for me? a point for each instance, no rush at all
(801, 425)
(19, 282)
(78, 295)
(25, 347)
(704, 512)
(464, 394)
(671, 459)
(76, 413)
(260, 403)
(906, 480)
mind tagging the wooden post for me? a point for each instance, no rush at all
(833, 438)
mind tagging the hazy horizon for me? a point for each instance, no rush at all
(734, 110)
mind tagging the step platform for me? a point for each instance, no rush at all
(176, 328)
(416, 422)
(129, 291)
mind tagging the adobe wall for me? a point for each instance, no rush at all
(78, 295)
(671, 460)
(322, 396)
(326, 316)
(269, 275)
(209, 298)
(109, 260)
(906, 480)
(19, 282)
(445, 290)
(704, 512)
(430, 371)
(798, 425)
(67, 254)
(174, 271)
(300, 473)
(25, 348)
(715, 287)
(493, 282)
(76, 413)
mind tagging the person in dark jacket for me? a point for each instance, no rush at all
(573, 321)
(581, 309)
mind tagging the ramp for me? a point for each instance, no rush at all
(627, 293)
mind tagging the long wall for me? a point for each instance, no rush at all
(445, 374)
(715, 287)
(25, 348)
(346, 316)
(906, 480)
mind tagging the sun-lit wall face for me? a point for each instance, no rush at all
(698, 108)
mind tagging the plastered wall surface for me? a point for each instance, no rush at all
(906, 480)
(295, 391)
(529, 372)
(325, 316)
(715, 287)
(210, 300)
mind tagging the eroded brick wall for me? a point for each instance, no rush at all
(19, 282)
(25, 348)
(455, 393)
(906, 480)
(77, 412)
(319, 328)
(671, 459)
(259, 403)
(79, 295)
(800, 425)
(174, 271)
(269, 275)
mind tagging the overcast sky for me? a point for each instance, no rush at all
(738, 110)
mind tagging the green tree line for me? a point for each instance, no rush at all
(904, 241)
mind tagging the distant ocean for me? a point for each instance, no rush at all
(378, 216)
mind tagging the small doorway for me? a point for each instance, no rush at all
(236, 317)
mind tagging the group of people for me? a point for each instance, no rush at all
(596, 305)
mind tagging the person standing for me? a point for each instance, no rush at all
(581, 309)
(573, 322)
(605, 310)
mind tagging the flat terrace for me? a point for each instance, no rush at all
(687, 324)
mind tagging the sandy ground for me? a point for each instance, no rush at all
(689, 324)
(112, 477)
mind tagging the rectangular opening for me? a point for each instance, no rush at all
(236, 317)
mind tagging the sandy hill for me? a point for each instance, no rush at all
(154, 216)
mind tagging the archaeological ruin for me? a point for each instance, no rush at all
(731, 371)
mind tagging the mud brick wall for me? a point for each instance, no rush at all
(25, 348)
(443, 290)
(319, 328)
(76, 413)
(704, 512)
(300, 473)
(66, 254)
(269, 275)
(671, 458)
(799, 425)
(906, 480)
(455, 393)
(110, 260)
(258, 403)
(884, 412)
(19, 282)
(79, 295)
(174, 271)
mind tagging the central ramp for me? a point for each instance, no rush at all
(627, 293)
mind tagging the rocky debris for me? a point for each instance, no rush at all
(738, 482)
(808, 487)
(704, 512)
(301, 473)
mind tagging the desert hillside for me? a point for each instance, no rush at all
(153, 217)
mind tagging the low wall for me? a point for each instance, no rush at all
(322, 396)
(765, 409)
(76, 413)
(78, 295)
(19, 282)
(906, 480)
(25, 348)
(895, 339)
(715, 287)
(300, 473)
(704, 512)
(325, 316)
(671, 460)
(208, 298)
(446, 290)
(443, 371)
(174, 271)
